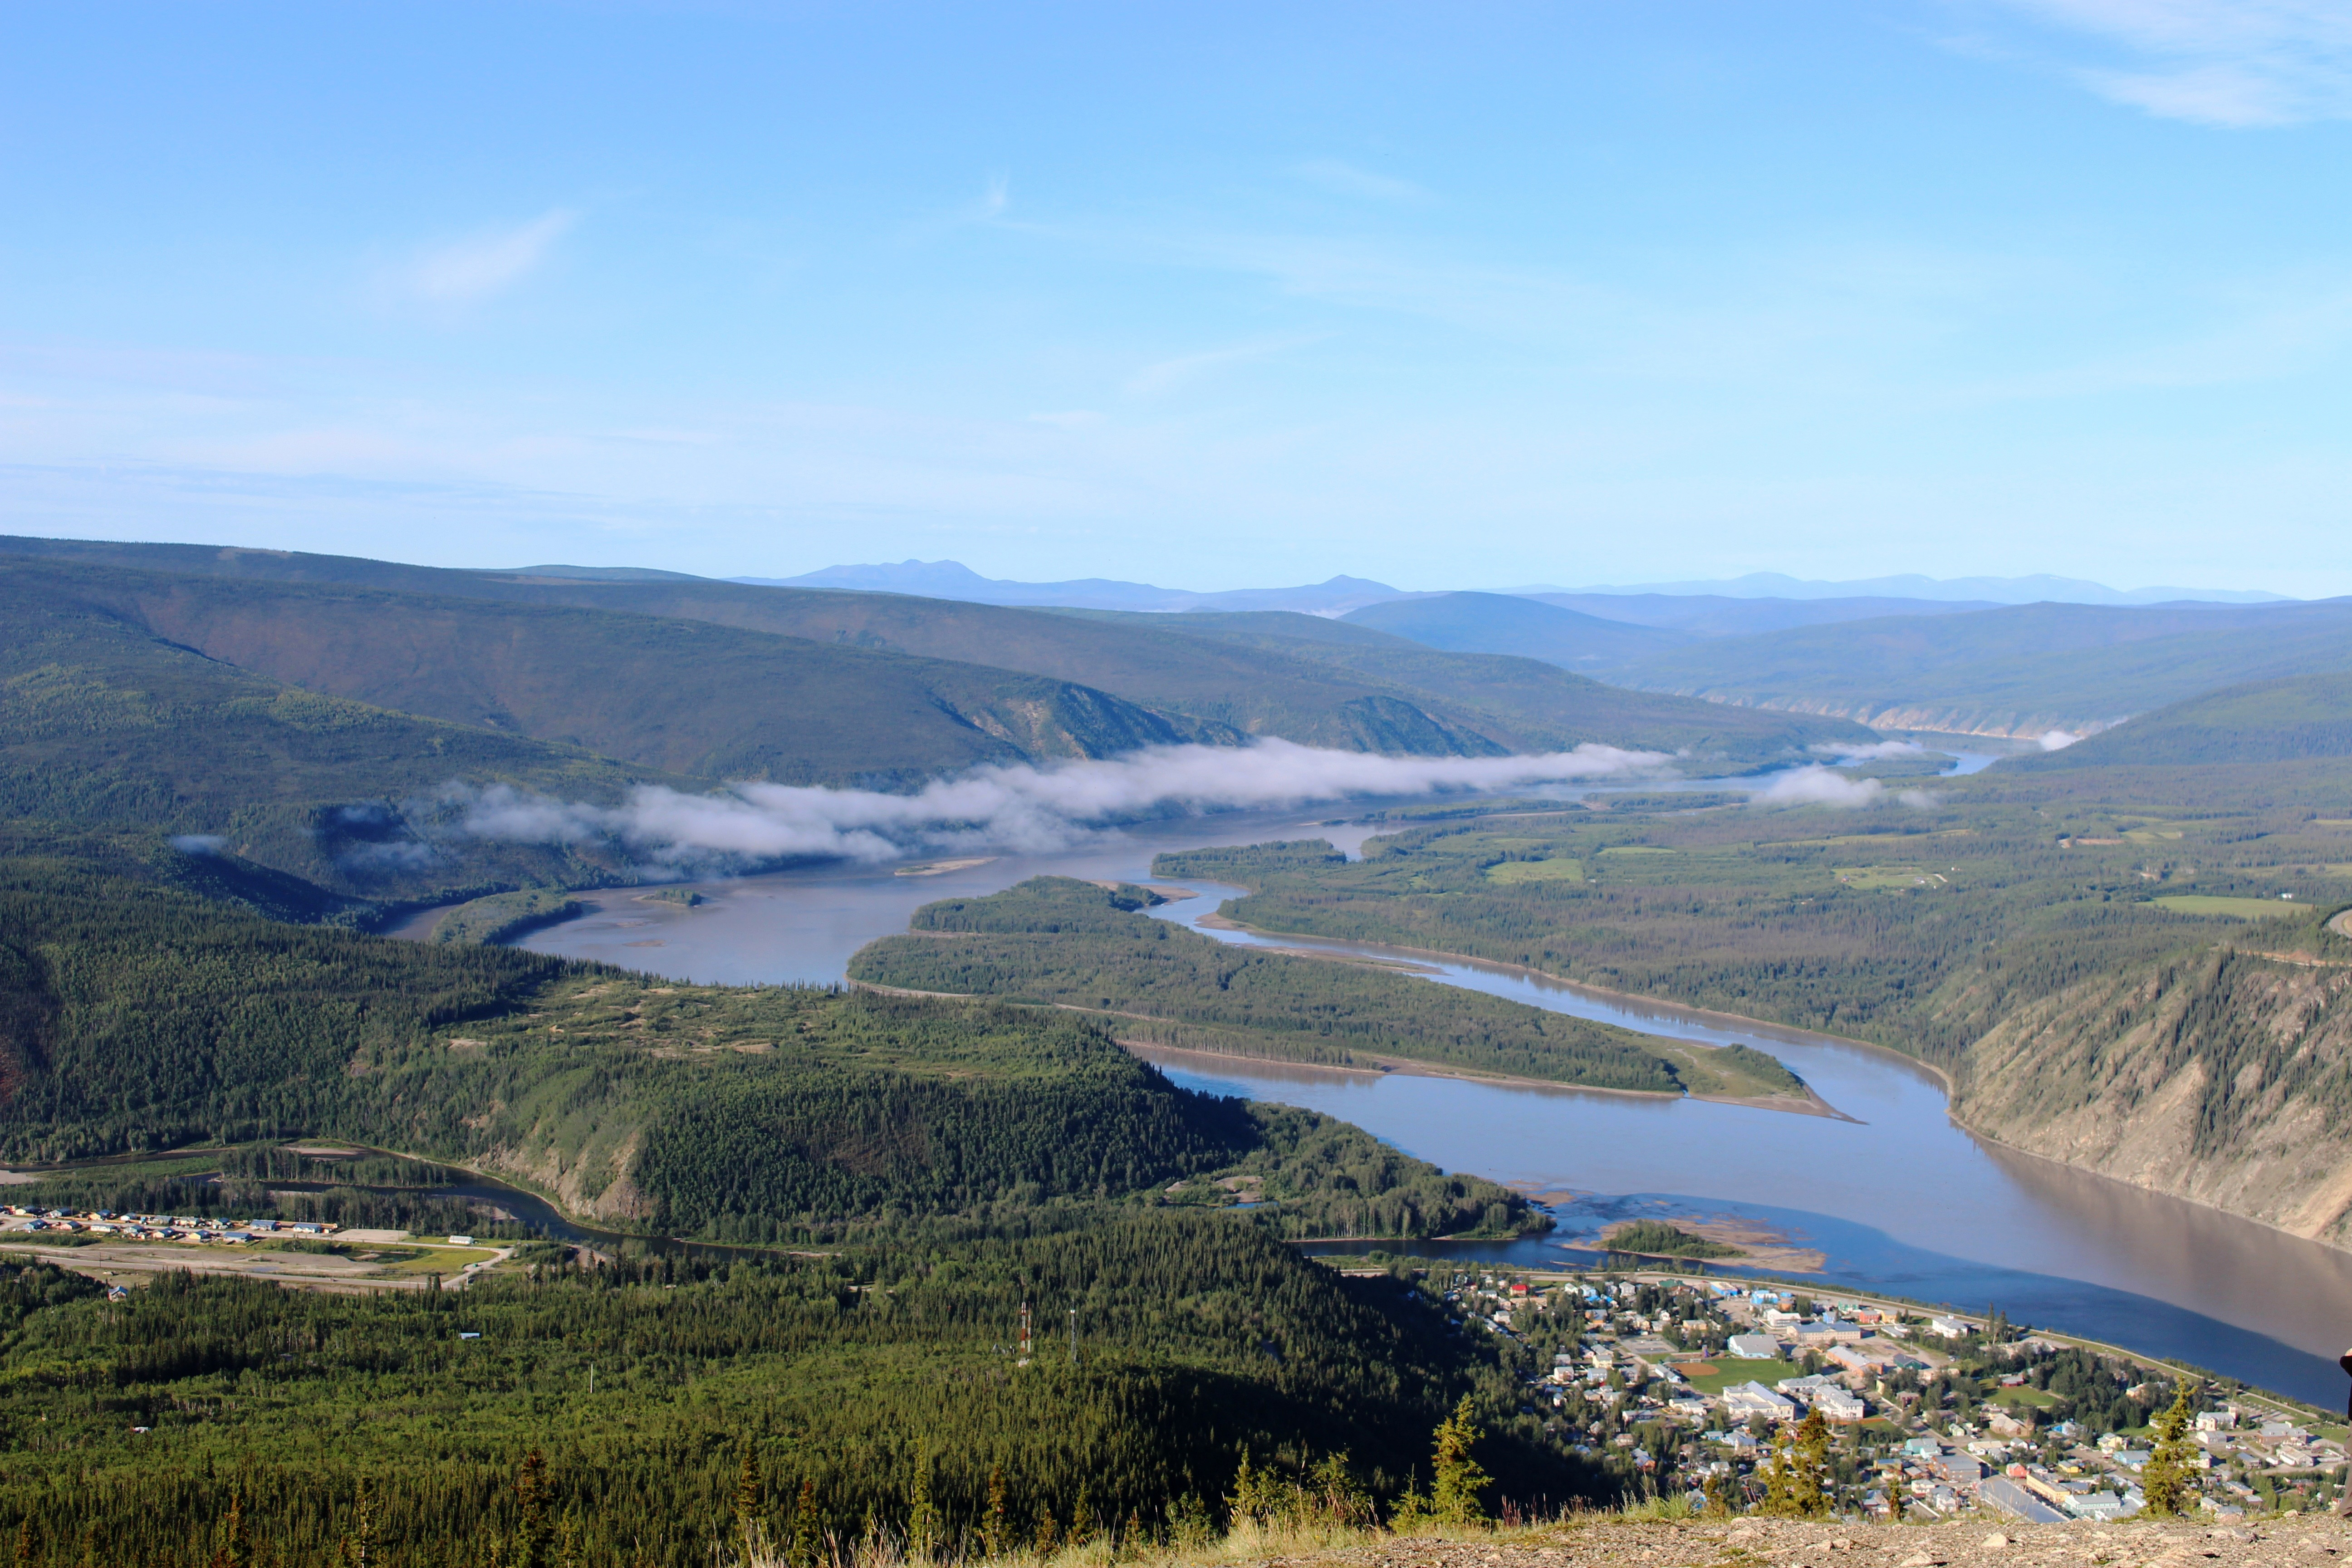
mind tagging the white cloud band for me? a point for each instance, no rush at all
(1014, 808)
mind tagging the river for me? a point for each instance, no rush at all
(1897, 1198)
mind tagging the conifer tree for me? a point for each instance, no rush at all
(531, 1530)
(751, 1504)
(1082, 1519)
(234, 1548)
(1795, 1481)
(1247, 1502)
(2165, 1483)
(995, 1528)
(923, 1512)
(24, 1543)
(1460, 1478)
(807, 1530)
(1047, 1540)
(358, 1549)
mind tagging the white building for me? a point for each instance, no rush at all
(1754, 1399)
(1754, 1347)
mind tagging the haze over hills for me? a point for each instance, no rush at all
(1499, 623)
(2017, 670)
(2029, 590)
(953, 580)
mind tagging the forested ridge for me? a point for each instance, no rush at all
(138, 1015)
(877, 1378)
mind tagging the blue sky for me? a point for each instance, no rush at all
(1211, 295)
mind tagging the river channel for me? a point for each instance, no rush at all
(1895, 1197)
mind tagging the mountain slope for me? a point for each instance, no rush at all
(2222, 1077)
(1207, 667)
(1720, 616)
(103, 722)
(1499, 623)
(2017, 671)
(2293, 720)
(1532, 706)
(680, 697)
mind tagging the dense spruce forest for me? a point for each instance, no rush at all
(886, 1381)
(1064, 942)
(140, 1017)
(897, 1176)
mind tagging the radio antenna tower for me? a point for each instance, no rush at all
(1025, 1335)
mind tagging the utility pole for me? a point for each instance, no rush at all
(1074, 1336)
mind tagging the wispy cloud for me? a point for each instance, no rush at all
(2233, 63)
(461, 271)
(1168, 374)
(1018, 807)
(1817, 785)
(1350, 181)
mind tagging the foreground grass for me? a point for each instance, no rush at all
(1663, 1533)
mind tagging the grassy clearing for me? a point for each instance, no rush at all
(1511, 873)
(440, 1260)
(1734, 1074)
(1889, 879)
(2237, 909)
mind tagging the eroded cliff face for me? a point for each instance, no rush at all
(2223, 1077)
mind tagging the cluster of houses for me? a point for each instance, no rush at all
(162, 1228)
(1628, 1365)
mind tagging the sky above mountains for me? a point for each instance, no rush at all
(1214, 295)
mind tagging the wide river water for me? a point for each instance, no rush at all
(1898, 1199)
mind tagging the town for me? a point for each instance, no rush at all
(1684, 1382)
(163, 1228)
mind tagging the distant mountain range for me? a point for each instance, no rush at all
(2034, 590)
(954, 579)
(1909, 593)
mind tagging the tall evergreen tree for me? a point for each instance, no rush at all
(534, 1533)
(234, 1548)
(2165, 1483)
(995, 1528)
(1456, 1493)
(808, 1531)
(922, 1507)
(750, 1503)
(1795, 1481)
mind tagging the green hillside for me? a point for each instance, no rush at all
(1266, 674)
(1519, 704)
(1502, 623)
(2023, 668)
(680, 697)
(2295, 720)
(103, 722)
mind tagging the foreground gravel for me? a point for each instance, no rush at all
(1762, 1543)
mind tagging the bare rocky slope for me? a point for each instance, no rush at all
(2223, 1077)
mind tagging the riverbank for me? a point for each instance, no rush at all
(1703, 1017)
